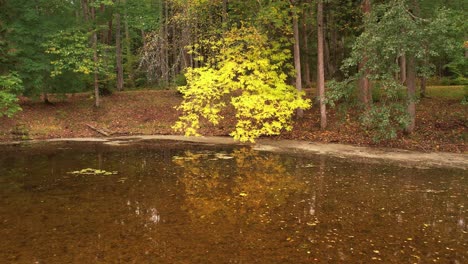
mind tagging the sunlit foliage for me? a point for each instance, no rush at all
(247, 73)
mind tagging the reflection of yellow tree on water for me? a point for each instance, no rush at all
(249, 197)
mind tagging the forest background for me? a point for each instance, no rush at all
(241, 68)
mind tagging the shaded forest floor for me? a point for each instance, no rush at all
(441, 121)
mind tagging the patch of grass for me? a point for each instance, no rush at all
(61, 114)
(21, 132)
(40, 129)
(447, 92)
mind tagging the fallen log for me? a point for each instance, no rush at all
(100, 131)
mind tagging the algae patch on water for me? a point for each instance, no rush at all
(90, 171)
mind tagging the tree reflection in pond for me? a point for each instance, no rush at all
(255, 199)
(323, 211)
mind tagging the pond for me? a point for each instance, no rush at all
(173, 202)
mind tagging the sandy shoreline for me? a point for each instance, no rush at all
(400, 157)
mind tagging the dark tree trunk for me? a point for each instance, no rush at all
(103, 35)
(305, 45)
(364, 83)
(118, 54)
(297, 61)
(225, 13)
(95, 60)
(84, 6)
(411, 91)
(423, 87)
(128, 51)
(321, 66)
(403, 73)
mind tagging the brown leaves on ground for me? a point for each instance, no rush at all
(440, 125)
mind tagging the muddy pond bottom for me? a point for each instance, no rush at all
(171, 202)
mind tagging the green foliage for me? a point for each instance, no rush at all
(248, 69)
(10, 86)
(391, 31)
(384, 118)
(74, 54)
(382, 122)
(459, 67)
(27, 24)
(465, 96)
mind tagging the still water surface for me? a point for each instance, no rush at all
(185, 203)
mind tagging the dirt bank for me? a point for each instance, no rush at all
(441, 122)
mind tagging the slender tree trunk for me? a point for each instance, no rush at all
(403, 73)
(96, 75)
(466, 48)
(109, 32)
(364, 82)
(320, 65)
(103, 37)
(118, 54)
(95, 60)
(329, 48)
(423, 87)
(166, 43)
(305, 45)
(326, 52)
(84, 6)
(297, 61)
(128, 50)
(411, 91)
(143, 37)
(225, 13)
(45, 97)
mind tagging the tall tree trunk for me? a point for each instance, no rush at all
(95, 60)
(330, 43)
(326, 52)
(103, 37)
(364, 82)
(166, 43)
(128, 50)
(422, 92)
(143, 37)
(297, 61)
(109, 32)
(411, 91)
(320, 65)
(403, 73)
(305, 45)
(84, 6)
(118, 53)
(466, 48)
(225, 14)
(45, 97)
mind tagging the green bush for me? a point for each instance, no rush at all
(10, 86)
